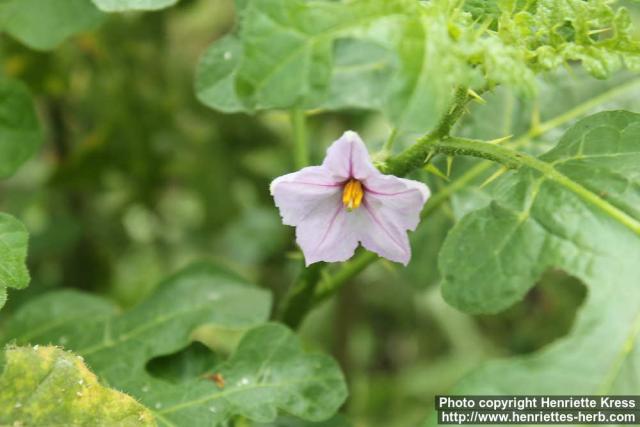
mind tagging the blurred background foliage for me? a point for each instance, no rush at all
(137, 179)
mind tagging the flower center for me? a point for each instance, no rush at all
(352, 194)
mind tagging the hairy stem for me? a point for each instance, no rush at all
(513, 159)
(330, 284)
(414, 157)
(300, 297)
(474, 148)
(305, 294)
(348, 270)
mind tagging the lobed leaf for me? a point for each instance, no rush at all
(292, 53)
(13, 254)
(268, 371)
(48, 386)
(581, 214)
(553, 32)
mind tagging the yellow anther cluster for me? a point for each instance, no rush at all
(352, 194)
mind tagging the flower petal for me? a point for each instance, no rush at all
(348, 158)
(299, 194)
(328, 233)
(392, 207)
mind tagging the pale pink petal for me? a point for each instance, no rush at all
(327, 233)
(311, 200)
(348, 158)
(392, 206)
(299, 194)
(404, 197)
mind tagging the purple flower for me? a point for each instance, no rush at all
(347, 201)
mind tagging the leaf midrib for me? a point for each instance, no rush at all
(308, 43)
(256, 386)
(482, 149)
(158, 320)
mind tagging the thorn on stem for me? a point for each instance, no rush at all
(500, 140)
(494, 176)
(435, 171)
(476, 96)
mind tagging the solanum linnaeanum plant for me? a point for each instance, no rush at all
(207, 347)
(346, 201)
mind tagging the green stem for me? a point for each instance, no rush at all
(305, 293)
(513, 159)
(329, 285)
(459, 106)
(352, 268)
(300, 297)
(301, 143)
(414, 157)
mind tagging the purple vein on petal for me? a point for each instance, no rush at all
(381, 225)
(309, 213)
(337, 184)
(351, 144)
(326, 233)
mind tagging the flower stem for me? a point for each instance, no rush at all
(348, 270)
(300, 297)
(306, 293)
(330, 284)
(301, 143)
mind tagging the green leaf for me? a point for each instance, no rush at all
(592, 32)
(20, 134)
(13, 255)
(579, 213)
(337, 421)
(216, 73)
(47, 318)
(124, 5)
(293, 53)
(48, 386)
(44, 24)
(194, 361)
(536, 124)
(421, 92)
(481, 9)
(360, 69)
(267, 371)
(404, 57)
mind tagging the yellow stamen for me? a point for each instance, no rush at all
(352, 194)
